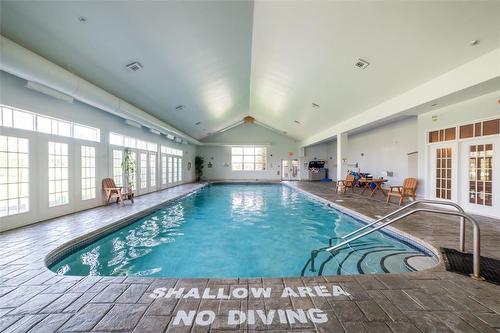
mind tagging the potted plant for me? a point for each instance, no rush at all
(198, 167)
(128, 166)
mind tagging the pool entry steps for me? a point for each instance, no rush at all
(347, 242)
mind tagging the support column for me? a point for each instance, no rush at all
(342, 149)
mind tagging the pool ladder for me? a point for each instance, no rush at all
(350, 237)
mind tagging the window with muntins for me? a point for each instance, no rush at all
(248, 158)
(163, 169)
(175, 170)
(88, 172)
(170, 170)
(152, 170)
(180, 168)
(117, 167)
(58, 174)
(14, 175)
(30, 121)
(144, 170)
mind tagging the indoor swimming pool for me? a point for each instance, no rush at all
(239, 230)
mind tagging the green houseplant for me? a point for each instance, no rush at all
(198, 167)
(128, 166)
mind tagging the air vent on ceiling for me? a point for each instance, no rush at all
(134, 67)
(179, 107)
(361, 64)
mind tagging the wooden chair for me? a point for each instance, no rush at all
(121, 193)
(347, 183)
(408, 190)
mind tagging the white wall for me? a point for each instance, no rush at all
(278, 148)
(385, 148)
(326, 151)
(377, 150)
(482, 107)
(13, 93)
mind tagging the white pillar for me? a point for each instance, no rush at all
(342, 148)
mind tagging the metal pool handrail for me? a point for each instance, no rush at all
(417, 202)
(476, 237)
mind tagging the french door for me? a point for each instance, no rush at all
(290, 170)
(443, 172)
(479, 171)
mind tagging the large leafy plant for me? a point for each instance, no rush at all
(198, 167)
(128, 166)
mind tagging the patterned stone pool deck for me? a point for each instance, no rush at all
(34, 299)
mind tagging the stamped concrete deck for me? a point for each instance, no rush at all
(34, 299)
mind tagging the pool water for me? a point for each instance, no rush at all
(237, 230)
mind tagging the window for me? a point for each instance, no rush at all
(179, 160)
(126, 141)
(152, 170)
(58, 174)
(14, 175)
(175, 169)
(170, 170)
(86, 133)
(53, 126)
(163, 169)
(12, 117)
(144, 170)
(248, 158)
(117, 167)
(88, 172)
(443, 135)
(171, 151)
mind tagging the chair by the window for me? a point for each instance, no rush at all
(121, 193)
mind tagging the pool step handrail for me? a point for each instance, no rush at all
(463, 217)
(413, 203)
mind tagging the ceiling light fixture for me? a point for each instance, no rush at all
(315, 106)
(179, 107)
(296, 121)
(361, 64)
(197, 123)
(474, 42)
(134, 66)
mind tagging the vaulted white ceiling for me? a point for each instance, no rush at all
(269, 59)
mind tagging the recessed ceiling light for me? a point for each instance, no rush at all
(197, 123)
(82, 19)
(179, 107)
(315, 106)
(474, 42)
(361, 64)
(296, 121)
(134, 66)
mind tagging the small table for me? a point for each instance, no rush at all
(377, 181)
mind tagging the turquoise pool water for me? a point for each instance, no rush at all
(235, 230)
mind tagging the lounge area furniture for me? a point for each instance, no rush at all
(407, 190)
(345, 184)
(121, 193)
(367, 185)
